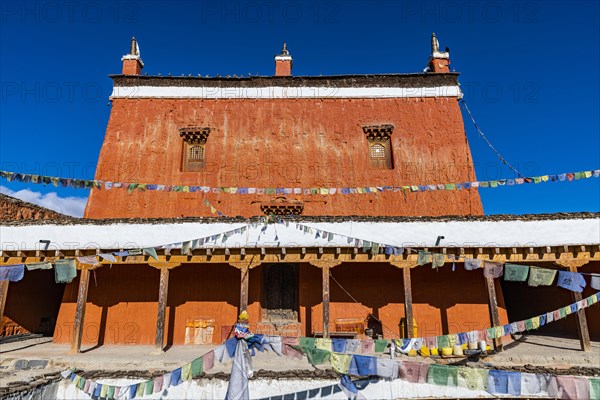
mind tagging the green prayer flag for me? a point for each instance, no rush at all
(529, 324)
(443, 375)
(443, 341)
(594, 388)
(380, 345)
(81, 383)
(131, 187)
(424, 257)
(148, 387)
(493, 184)
(450, 186)
(515, 272)
(64, 270)
(491, 333)
(484, 184)
(110, 394)
(197, 366)
(316, 356)
(438, 260)
(39, 265)
(308, 342)
(151, 251)
(562, 312)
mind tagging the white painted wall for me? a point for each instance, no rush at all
(403, 234)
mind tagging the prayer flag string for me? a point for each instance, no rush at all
(143, 187)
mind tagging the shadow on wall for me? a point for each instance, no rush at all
(32, 304)
(523, 301)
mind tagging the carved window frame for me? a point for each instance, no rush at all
(194, 148)
(380, 146)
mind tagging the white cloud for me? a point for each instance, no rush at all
(71, 205)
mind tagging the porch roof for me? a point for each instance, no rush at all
(504, 231)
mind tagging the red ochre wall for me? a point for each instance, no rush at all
(284, 143)
(122, 301)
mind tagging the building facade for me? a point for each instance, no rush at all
(285, 132)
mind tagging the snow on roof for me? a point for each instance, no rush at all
(575, 229)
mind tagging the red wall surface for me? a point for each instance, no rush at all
(122, 307)
(284, 143)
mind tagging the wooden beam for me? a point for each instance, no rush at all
(408, 311)
(163, 291)
(84, 280)
(309, 254)
(3, 297)
(582, 326)
(493, 303)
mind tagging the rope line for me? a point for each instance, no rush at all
(490, 145)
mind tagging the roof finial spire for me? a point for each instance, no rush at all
(284, 51)
(134, 49)
(435, 45)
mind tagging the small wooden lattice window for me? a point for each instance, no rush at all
(194, 148)
(196, 153)
(380, 146)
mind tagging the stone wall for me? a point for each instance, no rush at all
(15, 209)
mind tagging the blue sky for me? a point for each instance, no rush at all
(529, 74)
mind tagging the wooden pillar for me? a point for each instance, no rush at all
(408, 311)
(406, 265)
(325, 266)
(582, 326)
(245, 267)
(494, 315)
(325, 271)
(84, 280)
(163, 291)
(3, 297)
(244, 283)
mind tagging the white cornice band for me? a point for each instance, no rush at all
(279, 92)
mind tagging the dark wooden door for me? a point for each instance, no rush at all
(280, 292)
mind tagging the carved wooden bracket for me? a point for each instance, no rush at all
(572, 262)
(161, 265)
(245, 264)
(325, 263)
(404, 264)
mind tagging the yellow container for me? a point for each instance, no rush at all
(412, 353)
(433, 351)
(447, 351)
(425, 351)
(464, 346)
(403, 328)
(488, 347)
